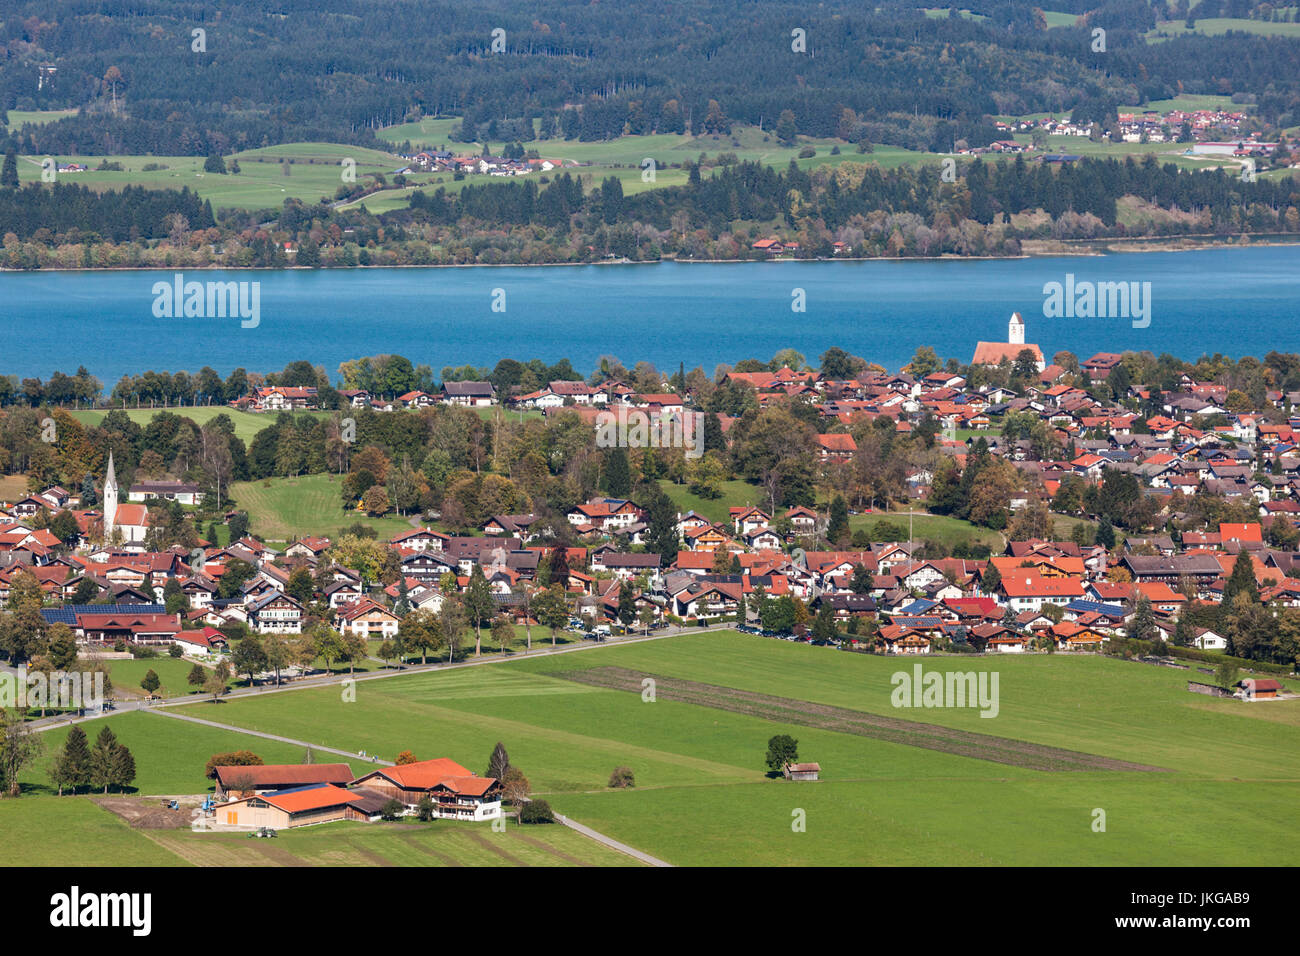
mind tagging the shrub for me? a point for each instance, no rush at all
(536, 811)
(424, 809)
(621, 778)
(391, 810)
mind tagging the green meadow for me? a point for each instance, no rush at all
(282, 509)
(1228, 770)
(247, 424)
(43, 829)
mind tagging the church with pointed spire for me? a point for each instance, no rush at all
(110, 498)
(995, 353)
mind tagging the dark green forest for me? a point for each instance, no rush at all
(339, 69)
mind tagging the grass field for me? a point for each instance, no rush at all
(943, 529)
(170, 755)
(1230, 774)
(735, 493)
(247, 424)
(127, 674)
(1217, 26)
(281, 509)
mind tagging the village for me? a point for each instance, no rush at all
(1178, 580)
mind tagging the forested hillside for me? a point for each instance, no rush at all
(337, 70)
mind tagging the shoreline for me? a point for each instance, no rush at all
(1094, 248)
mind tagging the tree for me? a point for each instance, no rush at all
(862, 582)
(9, 173)
(392, 810)
(536, 811)
(235, 758)
(248, 656)
(1143, 625)
(150, 682)
(479, 606)
(352, 648)
(71, 767)
(622, 778)
(1225, 674)
(824, 628)
(837, 529)
(18, 747)
(498, 763)
(1241, 581)
(405, 757)
(419, 631)
(503, 632)
(626, 604)
(424, 810)
(111, 763)
(551, 610)
(515, 787)
(327, 643)
(781, 750)
(451, 622)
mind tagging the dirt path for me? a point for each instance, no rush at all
(1017, 753)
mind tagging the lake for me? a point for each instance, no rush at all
(1235, 301)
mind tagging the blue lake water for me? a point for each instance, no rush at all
(1234, 301)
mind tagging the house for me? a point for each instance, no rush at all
(1208, 640)
(625, 566)
(275, 613)
(201, 643)
(309, 547)
(457, 793)
(1029, 591)
(181, 491)
(365, 618)
(470, 394)
(801, 771)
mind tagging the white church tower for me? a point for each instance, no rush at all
(1016, 329)
(110, 499)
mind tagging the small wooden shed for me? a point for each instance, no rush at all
(802, 771)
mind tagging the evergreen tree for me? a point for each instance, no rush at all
(618, 474)
(837, 530)
(626, 605)
(71, 768)
(1143, 625)
(862, 582)
(824, 628)
(1241, 581)
(102, 768)
(9, 174)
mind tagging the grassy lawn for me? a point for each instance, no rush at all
(18, 118)
(702, 795)
(944, 529)
(13, 487)
(281, 509)
(1217, 26)
(735, 493)
(127, 674)
(170, 754)
(247, 424)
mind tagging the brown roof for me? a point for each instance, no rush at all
(286, 774)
